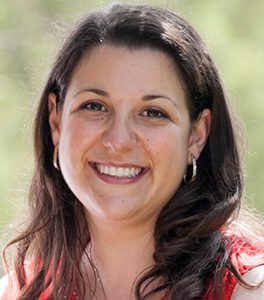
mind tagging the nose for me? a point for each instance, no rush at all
(119, 136)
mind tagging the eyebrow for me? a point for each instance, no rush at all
(153, 97)
(93, 90)
(144, 98)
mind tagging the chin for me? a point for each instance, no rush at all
(114, 209)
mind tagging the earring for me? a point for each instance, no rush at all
(56, 158)
(186, 178)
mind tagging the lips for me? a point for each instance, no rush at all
(118, 173)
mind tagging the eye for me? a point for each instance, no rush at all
(95, 106)
(154, 113)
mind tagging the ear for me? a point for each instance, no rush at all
(54, 118)
(199, 134)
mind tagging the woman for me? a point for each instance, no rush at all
(138, 178)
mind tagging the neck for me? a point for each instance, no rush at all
(117, 245)
(120, 253)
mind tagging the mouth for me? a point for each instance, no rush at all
(117, 174)
(120, 172)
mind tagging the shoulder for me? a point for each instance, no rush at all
(244, 253)
(8, 287)
(255, 276)
(4, 282)
(247, 255)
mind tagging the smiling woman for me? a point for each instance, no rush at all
(138, 183)
(129, 137)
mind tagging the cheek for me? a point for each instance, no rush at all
(167, 146)
(75, 141)
(77, 132)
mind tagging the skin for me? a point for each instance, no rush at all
(254, 276)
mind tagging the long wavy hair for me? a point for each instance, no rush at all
(190, 244)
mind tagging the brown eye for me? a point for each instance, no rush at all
(95, 106)
(154, 113)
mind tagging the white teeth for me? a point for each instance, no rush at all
(126, 172)
(132, 171)
(112, 171)
(118, 172)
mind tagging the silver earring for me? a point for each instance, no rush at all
(56, 158)
(186, 178)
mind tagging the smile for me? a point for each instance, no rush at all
(117, 173)
(120, 172)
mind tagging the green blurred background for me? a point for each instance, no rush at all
(30, 33)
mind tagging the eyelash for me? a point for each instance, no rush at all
(90, 104)
(158, 114)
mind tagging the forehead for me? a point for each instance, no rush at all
(131, 70)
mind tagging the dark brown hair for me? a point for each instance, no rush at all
(189, 235)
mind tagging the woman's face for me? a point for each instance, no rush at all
(124, 132)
